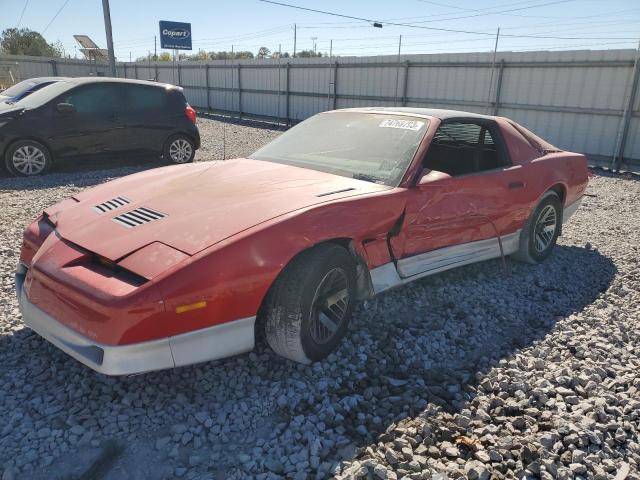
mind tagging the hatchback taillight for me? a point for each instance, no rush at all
(190, 113)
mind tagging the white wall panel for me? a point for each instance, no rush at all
(576, 107)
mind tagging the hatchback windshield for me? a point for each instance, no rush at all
(368, 146)
(18, 88)
(42, 96)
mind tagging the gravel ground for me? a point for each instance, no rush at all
(478, 372)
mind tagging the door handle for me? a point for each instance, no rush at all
(514, 185)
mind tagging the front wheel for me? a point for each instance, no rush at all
(179, 149)
(27, 158)
(539, 235)
(307, 311)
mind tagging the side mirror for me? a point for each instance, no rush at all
(65, 108)
(430, 176)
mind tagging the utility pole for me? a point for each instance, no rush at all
(109, 34)
(279, 84)
(295, 34)
(129, 57)
(314, 43)
(493, 67)
(330, 83)
(395, 100)
(155, 50)
(232, 55)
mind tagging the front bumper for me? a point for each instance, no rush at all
(201, 345)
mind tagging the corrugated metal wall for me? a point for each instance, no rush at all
(574, 99)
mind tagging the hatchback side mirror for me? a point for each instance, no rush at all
(65, 108)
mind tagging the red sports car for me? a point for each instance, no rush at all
(185, 264)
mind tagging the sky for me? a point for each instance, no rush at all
(426, 24)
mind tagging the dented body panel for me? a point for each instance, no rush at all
(224, 231)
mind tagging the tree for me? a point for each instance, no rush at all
(244, 54)
(201, 55)
(27, 42)
(263, 52)
(308, 54)
(164, 57)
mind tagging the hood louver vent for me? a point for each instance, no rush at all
(112, 204)
(137, 217)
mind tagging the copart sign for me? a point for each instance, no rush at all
(175, 35)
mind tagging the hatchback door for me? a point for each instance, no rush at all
(148, 116)
(93, 126)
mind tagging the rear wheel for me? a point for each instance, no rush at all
(308, 309)
(539, 235)
(26, 158)
(179, 149)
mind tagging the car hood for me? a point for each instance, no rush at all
(8, 109)
(201, 204)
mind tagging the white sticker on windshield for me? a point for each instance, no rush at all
(414, 125)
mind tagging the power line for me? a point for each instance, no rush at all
(54, 17)
(369, 20)
(22, 14)
(429, 16)
(485, 13)
(412, 25)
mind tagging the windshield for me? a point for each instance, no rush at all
(367, 146)
(18, 88)
(42, 96)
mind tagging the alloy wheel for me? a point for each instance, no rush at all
(329, 306)
(29, 160)
(180, 150)
(545, 228)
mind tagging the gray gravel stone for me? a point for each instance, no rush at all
(465, 373)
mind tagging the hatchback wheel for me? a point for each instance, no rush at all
(27, 158)
(308, 309)
(179, 149)
(539, 235)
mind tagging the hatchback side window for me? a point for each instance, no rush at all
(142, 98)
(100, 98)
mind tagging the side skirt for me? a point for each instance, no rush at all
(408, 269)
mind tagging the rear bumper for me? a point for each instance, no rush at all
(197, 138)
(202, 345)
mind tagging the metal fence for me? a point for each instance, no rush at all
(584, 101)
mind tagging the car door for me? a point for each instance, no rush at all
(146, 115)
(470, 194)
(92, 125)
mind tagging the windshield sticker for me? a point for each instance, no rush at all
(403, 124)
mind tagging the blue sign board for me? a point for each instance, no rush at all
(175, 35)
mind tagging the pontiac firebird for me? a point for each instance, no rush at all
(185, 264)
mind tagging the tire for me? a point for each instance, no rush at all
(27, 158)
(295, 323)
(179, 149)
(536, 245)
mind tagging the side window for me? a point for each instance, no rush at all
(140, 98)
(460, 148)
(97, 99)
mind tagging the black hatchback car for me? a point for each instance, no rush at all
(78, 117)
